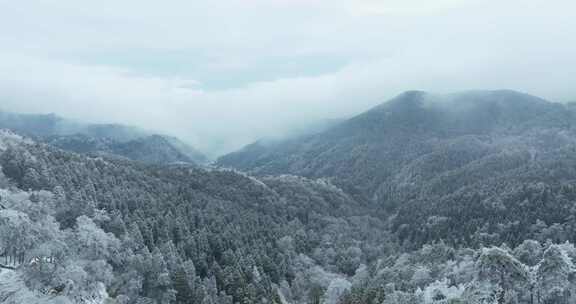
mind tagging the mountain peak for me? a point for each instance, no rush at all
(404, 101)
(405, 124)
(414, 99)
(410, 96)
(477, 111)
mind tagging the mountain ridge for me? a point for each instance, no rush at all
(106, 139)
(412, 157)
(416, 113)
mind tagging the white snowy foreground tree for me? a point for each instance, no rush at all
(555, 276)
(494, 276)
(44, 264)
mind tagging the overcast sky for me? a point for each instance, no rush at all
(223, 73)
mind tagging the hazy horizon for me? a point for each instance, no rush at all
(407, 152)
(220, 74)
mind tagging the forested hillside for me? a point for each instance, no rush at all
(481, 167)
(110, 139)
(151, 149)
(106, 228)
(466, 198)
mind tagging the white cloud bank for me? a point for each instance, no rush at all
(392, 45)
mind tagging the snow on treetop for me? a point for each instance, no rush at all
(8, 138)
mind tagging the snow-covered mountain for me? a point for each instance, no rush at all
(105, 139)
(426, 199)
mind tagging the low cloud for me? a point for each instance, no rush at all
(451, 46)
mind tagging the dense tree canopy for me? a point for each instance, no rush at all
(408, 203)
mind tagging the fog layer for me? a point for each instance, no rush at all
(221, 74)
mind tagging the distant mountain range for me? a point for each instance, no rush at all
(452, 157)
(102, 139)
